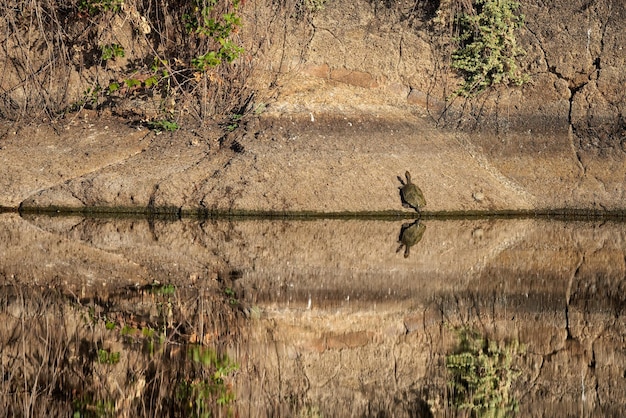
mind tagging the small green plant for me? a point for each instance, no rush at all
(488, 47)
(93, 7)
(131, 83)
(234, 122)
(107, 357)
(206, 61)
(158, 78)
(111, 51)
(160, 126)
(127, 330)
(228, 51)
(231, 295)
(314, 6)
(160, 73)
(219, 30)
(152, 340)
(113, 87)
(91, 313)
(482, 375)
(92, 94)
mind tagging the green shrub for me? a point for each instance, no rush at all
(108, 357)
(160, 126)
(111, 51)
(218, 29)
(488, 47)
(314, 6)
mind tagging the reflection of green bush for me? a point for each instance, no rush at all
(488, 47)
(482, 375)
(201, 394)
(87, 406)
(127, 354)
(108, 357)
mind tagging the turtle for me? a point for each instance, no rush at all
(410, 194)
(410, 234)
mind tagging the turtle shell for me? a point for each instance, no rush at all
(412, 195)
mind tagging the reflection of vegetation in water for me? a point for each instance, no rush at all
(133, 354)
(199, 395)
(162, 289)
(108, 357)
(482, 375)
(310, 412)
(89, 407)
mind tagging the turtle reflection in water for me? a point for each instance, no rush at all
(411, 194)
(410, 234)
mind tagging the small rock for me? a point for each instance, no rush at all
(478, 196)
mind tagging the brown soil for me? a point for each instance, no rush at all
(309, 162)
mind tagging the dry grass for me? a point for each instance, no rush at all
(51, 60)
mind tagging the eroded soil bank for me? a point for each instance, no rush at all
(302, 162)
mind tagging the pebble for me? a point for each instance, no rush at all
(478, 196)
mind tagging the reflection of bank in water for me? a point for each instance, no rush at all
(410, 234)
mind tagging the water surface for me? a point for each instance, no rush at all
(324, 317)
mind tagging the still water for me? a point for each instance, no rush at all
(325, 317)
